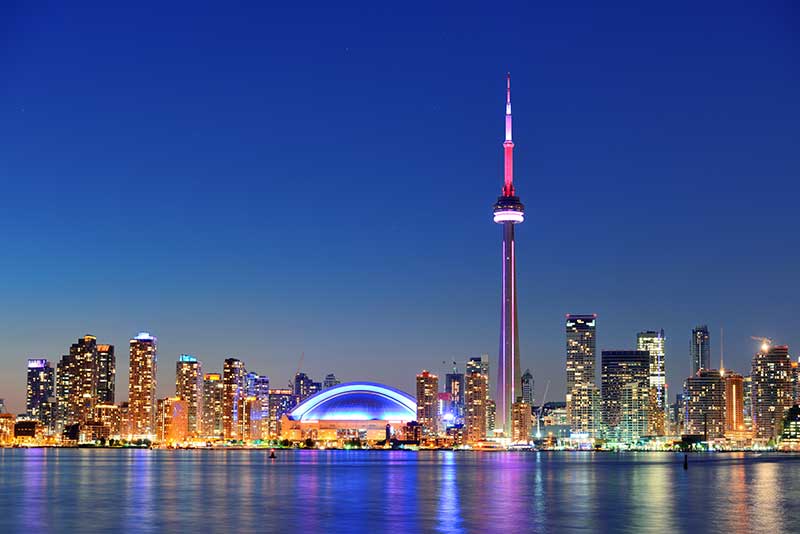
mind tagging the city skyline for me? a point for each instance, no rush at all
(601, 169)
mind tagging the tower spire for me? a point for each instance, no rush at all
(508, 145)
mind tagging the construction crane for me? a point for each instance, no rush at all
(539, 415)
(766, 342)
(299, 365)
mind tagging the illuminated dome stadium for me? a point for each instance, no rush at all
(357, 401)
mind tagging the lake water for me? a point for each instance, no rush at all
(82, 490)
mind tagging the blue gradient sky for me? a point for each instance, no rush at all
(261, 182)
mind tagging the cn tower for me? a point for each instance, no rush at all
(508, 211)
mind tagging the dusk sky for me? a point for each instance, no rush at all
(258, 182)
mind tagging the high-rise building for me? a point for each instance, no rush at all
(654, 343)
(705, 404)
(172, 420)
(772, 390)
(747, 401)
(281, 401)
(581, 388)
(454, 385)
(330, 381)
(527, 387)
(304, 386)
(475, 400)
(233, 379)
(41, 389)
(700, 349)
(508, 211)
(427, 402)
(635, 403)
(213, 389)
(521, 421)
(189, 388)
(142, 385)
(106, 374)
(108, 415)
(76, 383)
(623, 369)
(734, 402)
(257, 406)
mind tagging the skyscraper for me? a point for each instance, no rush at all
(142, 385)
(304, 386)
(427, 402)
(233, 394)
(623, 369)
(582, 394)
(527, 387)
(772, 390)
(521, 421)
(734, 402)
(475, 402)
(330, 381)
(654, 343)
(106, 374)
(41, 388)
(454, 386)
(700, 349)
(508, 211)
(212, 405)
(77, 381)
(189, 388)
(281, 401)
(705, 404)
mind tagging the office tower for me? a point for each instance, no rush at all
(747, 401)
(454, 386)
(142, 385)
(700, 349)
(257, 406)
(41, 389)
(213, 389)
(508, 211)
(654, 343)
(189, 388)
(172, 420)
(281, 401)
(582, 392)
(475, 400)
(76, 383)
(233, 379)
(772, 390)
(330, 381)
(304, 386)
(624, 369)
(427, 403)
(635, 403)
(734, 402)
(527, 386)
(705, 404)
(521, 421)
(106, 374)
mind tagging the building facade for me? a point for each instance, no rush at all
(233, 395)
(700, 349)
(189, 387)
(582, 394)
(427, 403)
(654, 342)
(213, 389)
(142, 385)
(625, 370)
(705, 404)
(772, 390)
(41, 384)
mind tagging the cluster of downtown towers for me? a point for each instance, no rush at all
(79, 394)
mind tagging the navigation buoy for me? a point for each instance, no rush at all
(272, 453)
(686, 461)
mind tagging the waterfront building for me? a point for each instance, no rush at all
(454, 386)
(172, 420)
(427, 403)
(330, 381)
(304, 386)
(654, 342)
(747, 393)
(481, 365)
(475, 404)
(349, 411)
(233, 395)
(257, 406)
(705, 404)
(521, 421)
(734, 402)
(213, 394)
(491, 411)
(281, 401)
(790, 438)
(189, 387)
(527, 387)
(700, 349)
(109, 416)
(772, 390)
(7, 422)
(41, 383)
(76, 383)
(142, 385)
(621, 369)
(635, 404)
(106, 374)
(508, 211)
(582, 395)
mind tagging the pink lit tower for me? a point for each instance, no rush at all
(508, 211)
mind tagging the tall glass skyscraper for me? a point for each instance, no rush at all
(700, 349)
(582, 394)
(654, 343)
(41, 388)
(189, 388)
(621, 369)
(142, 385)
